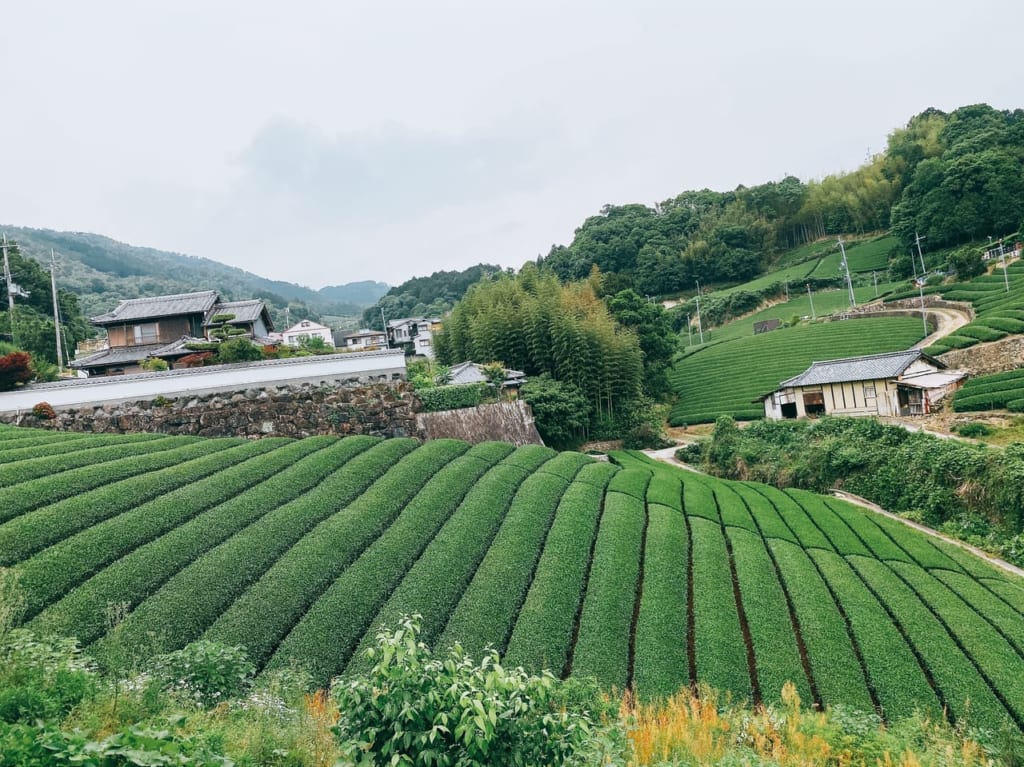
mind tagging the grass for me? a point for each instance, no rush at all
(624, 571)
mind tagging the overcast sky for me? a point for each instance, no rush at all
(327, 142)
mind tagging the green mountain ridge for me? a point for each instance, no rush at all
(103, 271)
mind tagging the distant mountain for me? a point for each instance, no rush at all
(363, 293)
(102, 271)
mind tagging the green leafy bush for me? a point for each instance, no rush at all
(973, 429)
(41, 678)
(206, 672)
(413, 708)
(452, 397)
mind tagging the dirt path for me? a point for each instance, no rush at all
(948, 321)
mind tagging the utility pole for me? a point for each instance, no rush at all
(810, 296)
(1002, 257)
(9, 286)
(917, 241)
(700, 327)
(56, 312)
(874, 276)
(787, 291)
(689, 331)
(924, 316)
(846, 268)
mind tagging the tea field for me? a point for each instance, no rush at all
(725, 378)
(635, 573)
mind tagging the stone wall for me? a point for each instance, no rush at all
(983, 359)
(293, 410)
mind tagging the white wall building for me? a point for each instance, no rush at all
(306, 329)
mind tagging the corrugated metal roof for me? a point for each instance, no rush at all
(867, 368)
(158, 306)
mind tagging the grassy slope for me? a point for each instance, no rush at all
(734, 583)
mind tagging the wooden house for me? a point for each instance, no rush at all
(892, 384)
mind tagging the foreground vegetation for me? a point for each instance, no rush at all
(630, 573)
(200, 707)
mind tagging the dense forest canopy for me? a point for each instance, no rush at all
(951, 178)
(431, 296)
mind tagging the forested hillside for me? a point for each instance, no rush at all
(952, 178)
(102, 271)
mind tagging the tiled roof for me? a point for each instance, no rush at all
(244, 311)
(868, 368)
(158, 306)
(119, 355)
(177, 347)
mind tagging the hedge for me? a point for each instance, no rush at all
(264, 614)
(543, 630)
(34, 530)
(896, 676)
(809, 535)
(992, 653)
(143, 571)
(771, 628)
(452, 397)
(699, 500)
(666, 489)
(661, 665)
(963, 690)
(842, 538)
(58, 569)
(131, 462)
(486, 614)
(732, 508)
(602, 647)
(918, 546)
(837, 673)
(54, 451)
(631, 482)
(875, 538)
(325, 637)
(719, 647)
(193, 599)
(434, 585)
(1002, 615)
(769, 521)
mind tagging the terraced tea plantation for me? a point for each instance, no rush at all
(636, 573)
(998, 312)
(725, 378)
(1001, 390)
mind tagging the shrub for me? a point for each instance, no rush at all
(973, 429)
(43, 410)
(207, 672)
(15, 369)
(452, 397)
(154, 365)
(41, 679)
(238, 350)
(414, 708)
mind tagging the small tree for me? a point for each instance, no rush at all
(221, 330)
(414, 708)
(561, 411)
(15, 368)
(238, 350)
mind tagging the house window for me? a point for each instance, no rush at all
(869, 391)
(146, 333)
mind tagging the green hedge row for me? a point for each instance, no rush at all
(918, 546)
(660, 647)
(719, 647)
(992, 653)
(732, 508)
(1010, 593)
(486, 614)
(193, 599)
(631, 482)
(1005, 324)
(602, 647)
(34, 530)
(807, 533)
(327, 634)
(567, 465)
(263, 615)
(666, 489)
(963, 690)
(769, 521)
(543, 630)
(434, 585)
(842, 538)
(15, 460)
(453, 397)
(58, 569)
(834, 665)
(1000, 614)
(874, 537)
(896, 676)
(699, 500)
(144, 570)
(129, 462)
(776, 652)
(979, 331)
